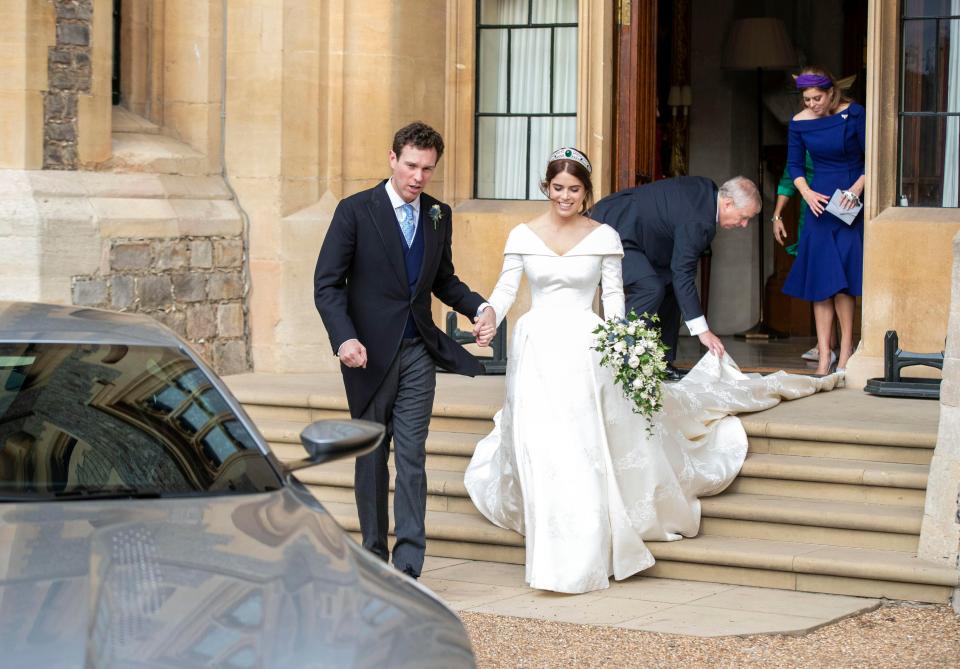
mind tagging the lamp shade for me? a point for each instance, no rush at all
(674, 97)
(758, 43)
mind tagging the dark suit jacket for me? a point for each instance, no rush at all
(671, 222)
(361, 288)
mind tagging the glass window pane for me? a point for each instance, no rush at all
(928, 60)
(924, 161)
(193, 419)
(951, 164)
(501, 158)
(192, 380)
(950, 83)
(503, 12)
(554, 11)
(492, 93)
(913, 8)
(239, 434)
(167, 399)
(547, 135)
(213, 402)
(530, 71)
(217, 445)
(565, 71)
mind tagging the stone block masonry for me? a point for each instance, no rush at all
(192, 285)
(68, 75)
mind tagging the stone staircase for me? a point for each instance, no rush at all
(822, 504)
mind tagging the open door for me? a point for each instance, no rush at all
(635, 108)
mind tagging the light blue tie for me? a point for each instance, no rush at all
(407, 226)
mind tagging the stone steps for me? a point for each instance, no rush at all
(827, 500)
(743, 561)
(855, 481)
(823, 521)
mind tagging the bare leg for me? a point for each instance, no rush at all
(823, 316)
(845, 305)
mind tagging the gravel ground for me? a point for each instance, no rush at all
(896, 635)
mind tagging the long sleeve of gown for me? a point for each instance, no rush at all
(796, 152)
(505, 292)
(611, 287)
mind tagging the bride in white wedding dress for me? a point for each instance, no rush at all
(568, 464)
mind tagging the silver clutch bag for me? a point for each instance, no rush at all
(848, 216)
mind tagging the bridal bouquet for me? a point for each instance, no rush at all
(633, 350)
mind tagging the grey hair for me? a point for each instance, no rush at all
(742, 191)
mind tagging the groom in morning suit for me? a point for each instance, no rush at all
(388, 248)
(665, 226)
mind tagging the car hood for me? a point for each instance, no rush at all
(266, 580)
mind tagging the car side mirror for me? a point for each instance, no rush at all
(327, 440)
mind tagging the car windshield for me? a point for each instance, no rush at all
(83, 421)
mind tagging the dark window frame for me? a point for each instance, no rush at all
(477, 114)
(902, 115)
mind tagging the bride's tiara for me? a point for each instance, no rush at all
(569, 153)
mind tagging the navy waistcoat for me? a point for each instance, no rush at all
(413, 259)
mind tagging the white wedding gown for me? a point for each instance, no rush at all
(568, 464)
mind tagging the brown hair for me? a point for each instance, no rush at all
(837, 95)
(574, 169)
(418, 135)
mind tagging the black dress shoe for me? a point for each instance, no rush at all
(409, 572)
(673, 374)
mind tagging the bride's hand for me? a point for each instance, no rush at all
(485, 327)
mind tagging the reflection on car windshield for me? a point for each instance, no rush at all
(80, 421)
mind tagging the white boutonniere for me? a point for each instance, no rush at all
(435, 215)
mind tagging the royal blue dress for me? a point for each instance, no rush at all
(830, 252)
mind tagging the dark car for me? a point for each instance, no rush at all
(144, 521)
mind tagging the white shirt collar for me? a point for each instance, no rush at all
(716, 217)
(398, 201)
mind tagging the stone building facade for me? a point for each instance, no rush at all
(271, 111)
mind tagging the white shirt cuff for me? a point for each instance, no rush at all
(482, 307)
(697, 326)
(344, 343)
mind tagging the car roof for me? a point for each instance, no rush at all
(55, 323)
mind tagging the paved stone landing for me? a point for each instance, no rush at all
(653, 604)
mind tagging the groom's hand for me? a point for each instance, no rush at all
(353, 354)
(485, 327)
(712, 342)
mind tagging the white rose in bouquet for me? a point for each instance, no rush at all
(631, 347)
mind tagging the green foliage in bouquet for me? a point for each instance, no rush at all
(634, 352)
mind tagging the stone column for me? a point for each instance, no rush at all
(192, 52)
(315, 92)
(940, 533)
(26, 33)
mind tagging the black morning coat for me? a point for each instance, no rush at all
(361, 288)
(671, 222)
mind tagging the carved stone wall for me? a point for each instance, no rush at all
(193, 285)
(69, 74)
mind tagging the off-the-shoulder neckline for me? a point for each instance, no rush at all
(571, 249)
(841, 114)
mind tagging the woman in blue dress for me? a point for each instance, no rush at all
(828, 270)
